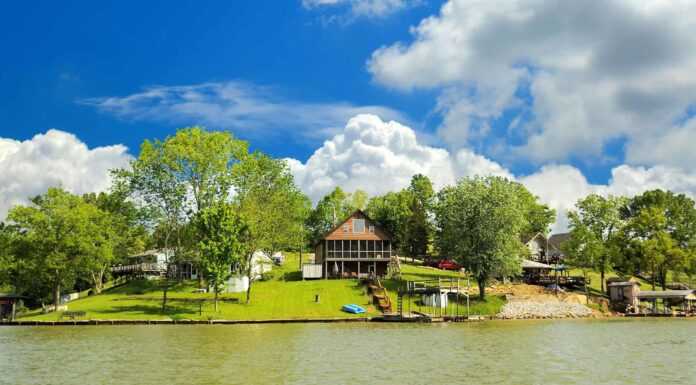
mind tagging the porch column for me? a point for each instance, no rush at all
(358, 267)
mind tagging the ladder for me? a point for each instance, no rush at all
(400, 305)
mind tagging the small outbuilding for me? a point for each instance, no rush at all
(8, 305)
(623, 291)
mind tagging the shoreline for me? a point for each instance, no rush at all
(96, 322)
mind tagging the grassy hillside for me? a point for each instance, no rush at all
(283, 295)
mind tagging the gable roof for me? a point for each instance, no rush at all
(557, 239)
(367, 217)
(527, 264)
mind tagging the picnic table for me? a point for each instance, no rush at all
(72, 314)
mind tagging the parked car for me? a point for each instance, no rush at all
(448, 264)
(444, 264)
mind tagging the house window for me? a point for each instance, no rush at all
(371, 229)
(345, 228)
(358, 226)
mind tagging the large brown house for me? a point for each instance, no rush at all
(357, 247)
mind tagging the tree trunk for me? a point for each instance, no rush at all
(56, 296)
(482, 289)
(248, 294)
(164, 298)
(587, 294)
(601, 280)
(216, 298)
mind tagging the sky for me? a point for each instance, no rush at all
(570, 98)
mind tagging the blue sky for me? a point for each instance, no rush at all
(567, 97)
(60, 53)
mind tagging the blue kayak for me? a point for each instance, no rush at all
(352, 308)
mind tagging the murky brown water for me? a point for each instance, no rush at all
(617, 351)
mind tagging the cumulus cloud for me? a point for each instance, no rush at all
(581, 74)
(248, 107)
(378, 156)
(371, 9)
(30, 167)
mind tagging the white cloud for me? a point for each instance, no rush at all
(361, 8)
(595, 71)
(30, 167)
(247, 107)
(378, 157)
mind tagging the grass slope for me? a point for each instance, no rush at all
(283, 295)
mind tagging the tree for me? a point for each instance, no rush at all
(127, 235)
(539, 216)
(357, 200)
(660, 234)
(272, 206)
(329, 210)
(61, 235)
(583, 249)
(152, 182)
(479, 221)
(203, 161)
(417, 230)
(6, 256)
(392, 212)
(422, 188)
(222, 233)
(600, 216)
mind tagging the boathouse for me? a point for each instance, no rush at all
(357, 248)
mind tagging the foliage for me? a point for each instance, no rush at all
(406, 215)
(357, 200)
(328, 212)
(221, 233)
(539, 216)
(659, 234)
(479, 221)
(271, 204)
(59, 236)
(596, 223)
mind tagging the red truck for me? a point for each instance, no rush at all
(444, 264)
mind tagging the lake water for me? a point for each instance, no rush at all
(609, 351)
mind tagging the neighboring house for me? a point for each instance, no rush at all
(539, 247)
(153, 263)
(555, 242)
(357, 247)
(261, 263)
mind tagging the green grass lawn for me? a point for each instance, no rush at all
(283, 295)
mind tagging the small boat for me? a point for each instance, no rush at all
(352, 308)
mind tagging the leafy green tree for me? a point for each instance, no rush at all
(600, 216)
(417, 231)
(127, 234)
(272, 206)
(583, 249)
(203, 160)
(152, 182)
(328, 212)
(539, 216)
(422, 188)
(61, 235)
(222, 234)
(479, 222)
(357, 200)
(392, 211)
(7, 257)
(660, 234)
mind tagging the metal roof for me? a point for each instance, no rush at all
(527, 264)
(683, 294)
(623, 283)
